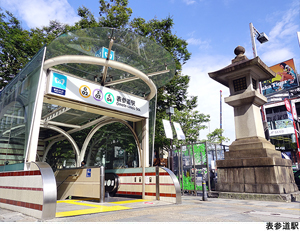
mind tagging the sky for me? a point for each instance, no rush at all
(212, 28)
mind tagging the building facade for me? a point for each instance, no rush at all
(281, 127)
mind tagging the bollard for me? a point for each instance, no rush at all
(157, 183)
(204, 192)
(102, 186)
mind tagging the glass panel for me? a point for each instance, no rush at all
(128, 48)
(284, 142)
(112, 146)
(190, 167)
(61, 155)
(17, 101)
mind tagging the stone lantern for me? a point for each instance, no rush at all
(252, 165)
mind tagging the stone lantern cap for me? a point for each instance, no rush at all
(241, 64)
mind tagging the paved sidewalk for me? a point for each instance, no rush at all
(192, 209)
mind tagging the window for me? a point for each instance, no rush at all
(240, 84)
(254, 84)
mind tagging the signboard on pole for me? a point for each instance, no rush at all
(289, 109)
(287, 105)
(294, 111)
(179, 132)
(168, 129)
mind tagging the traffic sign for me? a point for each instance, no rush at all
(287, 105)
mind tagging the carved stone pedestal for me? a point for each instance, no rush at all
(252, 165)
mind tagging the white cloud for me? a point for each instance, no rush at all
(282, 37)
(286, 26)
(189, 2)
(208, 92)
(38, 13)
(198, 42)
(275, 56)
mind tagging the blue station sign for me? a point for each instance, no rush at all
(103, 53)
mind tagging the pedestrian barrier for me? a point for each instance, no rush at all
(32, 192)
(85, 182)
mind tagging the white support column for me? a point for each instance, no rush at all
(145, 152)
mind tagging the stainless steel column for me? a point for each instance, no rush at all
(102, 186)
(194, 166)
(157, 182)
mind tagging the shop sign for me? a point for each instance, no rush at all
(282, 131)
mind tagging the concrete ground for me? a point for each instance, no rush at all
(192, 209)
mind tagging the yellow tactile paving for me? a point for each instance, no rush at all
(90, 211)
(96, 208)
(75, 202)
(127, 202)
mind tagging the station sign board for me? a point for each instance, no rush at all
(103, 53)
(93, 93)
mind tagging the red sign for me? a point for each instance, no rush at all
(287, 105)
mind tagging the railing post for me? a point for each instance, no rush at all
(102, 186)
(204, 191)
(157, 182)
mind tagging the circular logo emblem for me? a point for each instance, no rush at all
(109, 98)
(85, 91)
(97, 94)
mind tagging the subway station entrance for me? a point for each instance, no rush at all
(85, 102)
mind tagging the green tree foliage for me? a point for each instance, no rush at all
(175, 92)
(18, 46)
(114, 13)
(216, 136)
(15, 50)
(191, 123)
(160, 31)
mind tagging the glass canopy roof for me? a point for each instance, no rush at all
(127, 47)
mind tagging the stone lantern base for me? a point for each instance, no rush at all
(252, 165)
